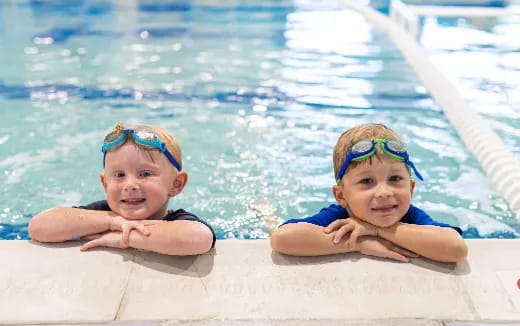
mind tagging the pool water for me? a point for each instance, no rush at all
(492, 45)
(257, 92)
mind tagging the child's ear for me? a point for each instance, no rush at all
(412, 186)
(178, 183)
(103, 180)
(338, 193)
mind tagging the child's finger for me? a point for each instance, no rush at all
(143, 229)
(332, 226)
(394, 255)
(341, 232)
(90, 244)
(125, 236)
(404, 252)
(351, 243)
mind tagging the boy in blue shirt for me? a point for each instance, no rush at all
(374, 216)
(142, 171)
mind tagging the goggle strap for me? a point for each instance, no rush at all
(409, 163)
(344, 166)
(172, 160)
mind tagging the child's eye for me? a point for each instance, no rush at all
(145, 174)
(119, 174)
(396, 178)
(366, 181)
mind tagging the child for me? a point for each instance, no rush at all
(142, 170)
(374, 215)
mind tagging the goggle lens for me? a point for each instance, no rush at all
(113, 136)
(361, 146)
(146, 135)
(396, 146)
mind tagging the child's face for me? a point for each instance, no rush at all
(379, 192)
(138, 187)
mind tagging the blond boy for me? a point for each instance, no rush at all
(142, 171)
(374, 216)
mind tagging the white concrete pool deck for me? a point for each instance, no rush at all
(244, 282)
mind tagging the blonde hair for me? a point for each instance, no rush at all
(167, 138)
(366, 131)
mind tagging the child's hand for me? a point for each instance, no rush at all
(107, 239)
(356, 227)
(379, 247)
(152, 222)
(118, 223)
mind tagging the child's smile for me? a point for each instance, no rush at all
(385, 209)
(133, 201)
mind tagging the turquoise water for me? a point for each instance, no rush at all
(481, 56)
(256, 92)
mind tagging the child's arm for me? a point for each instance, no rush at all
(434, 242)
(181, 237)
(431, 241)
(65, 223)
(305, 239)
(375, 246)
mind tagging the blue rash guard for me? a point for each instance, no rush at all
(334, 212)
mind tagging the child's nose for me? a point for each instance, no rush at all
(383, 191)
(131, 184)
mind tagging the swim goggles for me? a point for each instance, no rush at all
(145, 137)
(363, 149)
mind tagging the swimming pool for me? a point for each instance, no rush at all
(491, 44)
(256, 92)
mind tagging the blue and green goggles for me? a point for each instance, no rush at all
(145, 137)
(363, 149)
